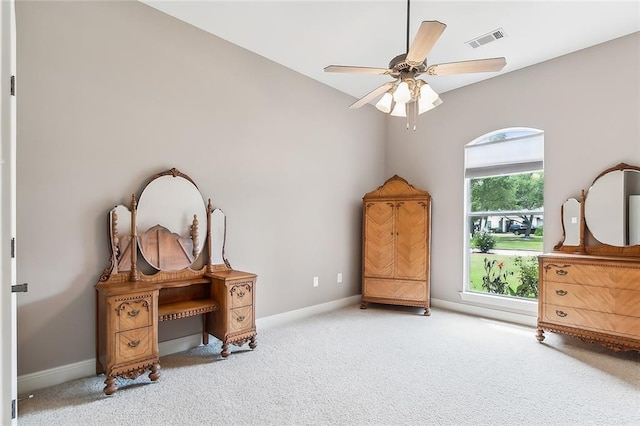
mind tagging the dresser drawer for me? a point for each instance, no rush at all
(599, 275)
(133, 344)
(602, 299)
(579, 296)
(627, 302)
(628, 326)
(393, 289)
(241, 294)
(582, 318)
(134, 313)
(240, 319)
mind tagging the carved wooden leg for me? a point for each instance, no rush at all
(225, 350)
(111, 387)
(155, 372)
(427, 311)
(253, 342)
(363, 305)
(540, 335)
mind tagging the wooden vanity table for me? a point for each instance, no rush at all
(187, 276)
(590, 285)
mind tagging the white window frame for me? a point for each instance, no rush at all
(523, 164)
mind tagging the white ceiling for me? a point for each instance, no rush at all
(307, 35)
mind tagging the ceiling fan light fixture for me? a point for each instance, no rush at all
(407, 96)
(384, 104)
(402, 94)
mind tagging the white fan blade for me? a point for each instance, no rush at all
(427, 36)
(478, 65)
(371, 95)
(358, 70)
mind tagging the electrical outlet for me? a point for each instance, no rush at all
(339, 278)
(315, 281)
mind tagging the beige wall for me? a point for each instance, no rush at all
(112, 93)
(587, 103)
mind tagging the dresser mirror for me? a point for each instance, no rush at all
(606, 219)
(218, 237)
(571, 222)
(608, 212)
(120, 231)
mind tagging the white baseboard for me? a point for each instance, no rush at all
(290, 316)
(464, 308)
(28, 383)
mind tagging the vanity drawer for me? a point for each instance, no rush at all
(599, 275)
(241, 319)
(134, 313)
(241, 294)
(133, 344)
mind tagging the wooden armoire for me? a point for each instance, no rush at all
(396, 245)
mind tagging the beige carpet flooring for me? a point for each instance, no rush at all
(381, 366)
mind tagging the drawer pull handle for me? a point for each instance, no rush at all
(561, 292)
(134, 343)
(240, 294)
(240, 318)
(561, 314)
(561, 272)
(133, 312)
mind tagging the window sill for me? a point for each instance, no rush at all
(504, 303)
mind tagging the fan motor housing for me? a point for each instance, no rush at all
(399, 64)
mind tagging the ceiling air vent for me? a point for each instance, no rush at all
(487, 38)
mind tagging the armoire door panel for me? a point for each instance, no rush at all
(379, 239)
(411, 240)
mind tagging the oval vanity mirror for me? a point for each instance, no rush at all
(171, 222)
(610, 210)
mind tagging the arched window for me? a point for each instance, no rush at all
(504, 187)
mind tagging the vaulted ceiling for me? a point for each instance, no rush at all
(307, 35)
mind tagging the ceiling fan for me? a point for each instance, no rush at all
(407, 96)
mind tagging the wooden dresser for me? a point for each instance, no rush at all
(192, 277)
(590, 286)
(595, 298)
(396, 245)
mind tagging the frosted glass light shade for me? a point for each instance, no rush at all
(424, 106)
(384, 104)
(402, 95)
(427, 94)
(400, 110)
